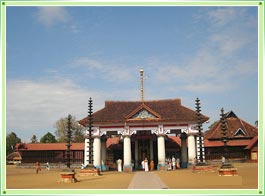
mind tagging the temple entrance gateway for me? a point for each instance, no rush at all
(144, 149)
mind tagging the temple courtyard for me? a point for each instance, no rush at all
(18, 178)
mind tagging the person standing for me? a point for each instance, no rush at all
(152, 166)
(169, 164)
(146, 168)
(223, 160)
(119, 163)
(142, 165)
(177, 162)
(173, 163)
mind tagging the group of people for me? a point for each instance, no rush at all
(173, 163)
(38, 167)
(146, 166)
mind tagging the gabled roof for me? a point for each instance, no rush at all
(169, 110)
(142, 108)
(233, 124)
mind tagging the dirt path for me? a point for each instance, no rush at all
(178, 179)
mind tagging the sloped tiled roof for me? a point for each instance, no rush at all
(112, 141)
(233, 123)
(209, 143)
(252, 143)
(48, 146)
(169, 110)
(175, 139)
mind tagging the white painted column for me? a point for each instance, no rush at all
(151, 150)
(136, 153)
(86, 152)
(161, 152)
(97, 152)
(127, 153)
(103, 155)
(191, 148)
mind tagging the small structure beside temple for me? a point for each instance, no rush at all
(241, 144)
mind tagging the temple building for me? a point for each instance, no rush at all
(242, 139)
(144, 128)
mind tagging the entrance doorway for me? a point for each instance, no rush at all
(143, 149)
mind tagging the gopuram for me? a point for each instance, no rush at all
(143, 128)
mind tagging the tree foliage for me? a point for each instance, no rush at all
(78, 132)
(34, 139)
(11, 141)
(48, 138)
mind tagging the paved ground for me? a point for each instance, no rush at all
(146, 180)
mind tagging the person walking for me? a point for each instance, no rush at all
(37, 167)
(48, 166)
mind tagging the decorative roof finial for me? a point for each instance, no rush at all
(142, 84)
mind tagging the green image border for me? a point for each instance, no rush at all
(259, 191)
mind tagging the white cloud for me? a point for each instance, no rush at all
(87, 62)
(35, 105)
(51, 15)
(222, 16)
(112, 72)
(227, 53)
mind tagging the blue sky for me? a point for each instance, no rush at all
(57, 57)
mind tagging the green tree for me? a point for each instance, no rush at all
(11, 141)
(34, 139)
(256, 123)
(78, 132)
(48, 138)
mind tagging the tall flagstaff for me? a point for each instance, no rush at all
(142, 84)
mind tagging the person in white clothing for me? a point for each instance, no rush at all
(142, 165)
(119, 164)
(48, 166)
(146, 167)
(173, 163)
